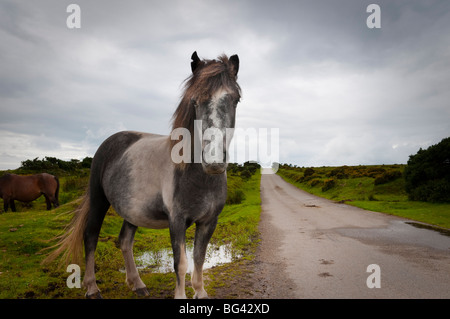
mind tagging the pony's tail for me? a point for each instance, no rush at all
(70, 244)
(57, 190)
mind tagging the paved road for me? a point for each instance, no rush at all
(315, 248)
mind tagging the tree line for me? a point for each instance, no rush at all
(53, 163)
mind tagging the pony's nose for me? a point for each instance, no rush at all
(214, 168)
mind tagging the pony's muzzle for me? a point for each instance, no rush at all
(214, 157)
(214, 168)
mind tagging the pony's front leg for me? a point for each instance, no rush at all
(5, 204)
(178, 238)
(203, 233)
(13, 205)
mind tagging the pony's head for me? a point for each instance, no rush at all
(208, 110)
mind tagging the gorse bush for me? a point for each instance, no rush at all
(387, 176)
(340, 172)
(315, 182)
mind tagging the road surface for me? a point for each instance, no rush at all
(315, 248)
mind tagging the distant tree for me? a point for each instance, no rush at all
(31, 164)
(427, 175)
(86, 162)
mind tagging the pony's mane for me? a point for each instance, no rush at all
(208, 78)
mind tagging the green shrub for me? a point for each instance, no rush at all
(246, 174)
(328, 184)
(432, 191)
(235, 196)
(245, 170)
(308, 172)
(427, 175)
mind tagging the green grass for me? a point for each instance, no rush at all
(355, 186)
(24, 234)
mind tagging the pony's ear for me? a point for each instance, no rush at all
(195, 61)
(234, 59)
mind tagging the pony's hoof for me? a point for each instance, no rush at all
(142, 292)
(96, 295)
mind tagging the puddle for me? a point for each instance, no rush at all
(162, 261)
(401, 232)
(442, 231)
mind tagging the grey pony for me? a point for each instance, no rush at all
(134, 172)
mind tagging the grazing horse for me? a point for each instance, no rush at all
(28, 188)
(136, 174)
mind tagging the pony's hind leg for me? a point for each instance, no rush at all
(51, 199)
(97, 212)
(126, 239)
(203, 233)
(48, 202)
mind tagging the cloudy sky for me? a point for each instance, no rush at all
(339, 92)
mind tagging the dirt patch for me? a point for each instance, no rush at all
(325, 274)
(231, 281)
(326, 262)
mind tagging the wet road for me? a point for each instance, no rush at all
(315, 248)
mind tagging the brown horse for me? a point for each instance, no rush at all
(28, 188)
